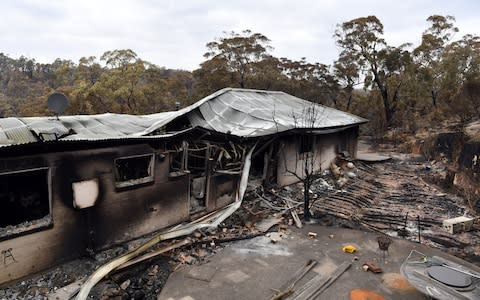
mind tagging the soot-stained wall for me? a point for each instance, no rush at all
(119, 214)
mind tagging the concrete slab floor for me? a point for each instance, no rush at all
(250, 269)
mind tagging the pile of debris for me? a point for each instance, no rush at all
(391, 197)
(143, 279)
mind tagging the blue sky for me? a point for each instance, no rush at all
(173, 33)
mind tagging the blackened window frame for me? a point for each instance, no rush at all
(34, 225)
(138, 181)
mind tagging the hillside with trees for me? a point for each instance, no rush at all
(403, 86)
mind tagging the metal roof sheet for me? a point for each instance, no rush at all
(253, 113)
(14, 131)
(240, 112)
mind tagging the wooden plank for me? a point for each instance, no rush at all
(287, 288)
(343, 267)
(318, 284)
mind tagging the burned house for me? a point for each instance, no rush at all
(72, 185)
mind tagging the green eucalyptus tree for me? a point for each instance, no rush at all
(429, 55)
(381, 66)
(240, 52)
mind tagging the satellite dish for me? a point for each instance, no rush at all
(57, 102)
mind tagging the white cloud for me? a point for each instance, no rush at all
(174, 33)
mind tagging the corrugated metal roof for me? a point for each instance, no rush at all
(240, 112)
(253, 113)
(14, 131)
(74, 128)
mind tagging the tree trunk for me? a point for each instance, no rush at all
(386, 105)
(384, 93)
(306, 198)
(349, 102)
(242, 80)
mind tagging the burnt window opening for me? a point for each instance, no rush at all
(176, 162)
(24, 197)
(178, 158)
(134, 170)
(306, 143)
(197, 161)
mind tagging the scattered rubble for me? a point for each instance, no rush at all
(275, 236)
(392, 198)
(389, 197)
(38, 287)
(370, 266)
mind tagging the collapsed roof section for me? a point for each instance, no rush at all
(255, 113)
(238, 112)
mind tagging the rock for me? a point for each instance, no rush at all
(154, 271)
(36, 291)
(197, 234)
(125, 284)
(108, 290)
(351, 175)
(325, 172)
(342, 182)
(335, 170)
(324, 184)
(350, 165)
(189, 259)
(275, 236)
(202, 253)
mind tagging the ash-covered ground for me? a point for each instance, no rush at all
(391, 197)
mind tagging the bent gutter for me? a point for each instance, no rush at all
(212, 220)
